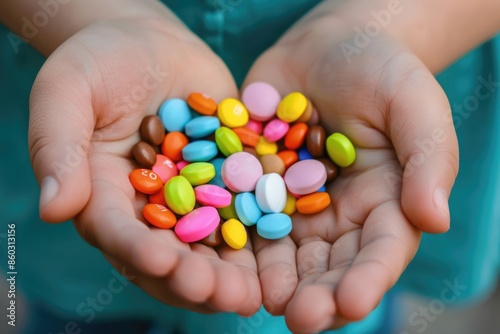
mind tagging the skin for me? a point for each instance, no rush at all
(336, 266)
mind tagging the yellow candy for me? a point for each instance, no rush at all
(340, 149)
(229, 211)
(266, 147)
(290, 206)
(232, 113)
(234, 233)
(228, 141)
(292, 107)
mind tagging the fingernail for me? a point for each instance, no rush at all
(49, 190)
(441, 201)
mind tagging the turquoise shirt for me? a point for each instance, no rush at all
(58, 269)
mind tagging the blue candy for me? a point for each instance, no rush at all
(174, 114)
(199, 151)
(274, 226)
(202, 126)
(247, 209)
(304, 154)
(217, 180)
(322, 189)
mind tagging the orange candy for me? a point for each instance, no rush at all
(145, 181)
(159, 216)
(313, 203)
(158, 198)
(173, 144)
(289, 157)
(247, 136)
(296, 136)
(202, 103)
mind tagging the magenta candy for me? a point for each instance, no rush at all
(212, 195)
(241, 171)
(165, 168)
(261, 99)
(305, 177)
(255, 126)
(197, 224)
(181, 164)
(275, 130)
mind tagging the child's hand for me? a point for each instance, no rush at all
(387, 102)
(86, 106)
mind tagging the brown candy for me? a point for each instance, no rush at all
(331, 169)
(272, 163)
(214, 239)
(306, 116)
(251, 150)
(315, 141)
(152, 130)
(144, 154)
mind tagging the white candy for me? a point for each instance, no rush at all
(270, 193)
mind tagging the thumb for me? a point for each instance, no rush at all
(421, 130)
(60, 129)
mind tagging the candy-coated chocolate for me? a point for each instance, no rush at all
(217, 180)
(232, 113)
(234, 234)
(152, 130)
(275, 130)
(174, 114)
(165, 168)
(292, 107)
(202, 126)
(159, 216)
(308, 113)
(229, 211)
(247, 136)
(212, 195)
(261, 99)
(172, 145)
(227, 141)
(314, 120)
(340, 149)
(198, 172)
(179, 195)
(144, 154)
(241, 171)
(270, 193)
(296, 136)
(322, 189)
(313, 203)
(197, 224)
(157, 198)
(145, 181)
(199, 151)
(202, 103)
(247, 209)
(331, 169)
(266, 147)
(272, 163)
(304, 154)
(305, 177)
(214, 239)
(274, 226)
(315, 141)
(290, 206)
(181, 164)
(255, 126)
(288, 157)
(251, 150)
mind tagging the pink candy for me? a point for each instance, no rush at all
(305, 177)
(197, 224)
(261, 100)
(165, 168)
(212, 195)
(241, 171)
(275, 130)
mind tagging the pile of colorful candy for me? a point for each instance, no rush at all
(267, 151)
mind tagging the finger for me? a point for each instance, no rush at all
(421, 130)
(388, 244)
(60, 129)
(277, 272)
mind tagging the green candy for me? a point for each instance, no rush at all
(227, 141)
(198, 173)
(229, 211)
(340, 149)
(179, 195)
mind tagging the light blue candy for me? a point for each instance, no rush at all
(247, 209)
(217, 180)
(174, 114)
(304, 154)
(203, 126)
(198, 151)
(274, 226)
